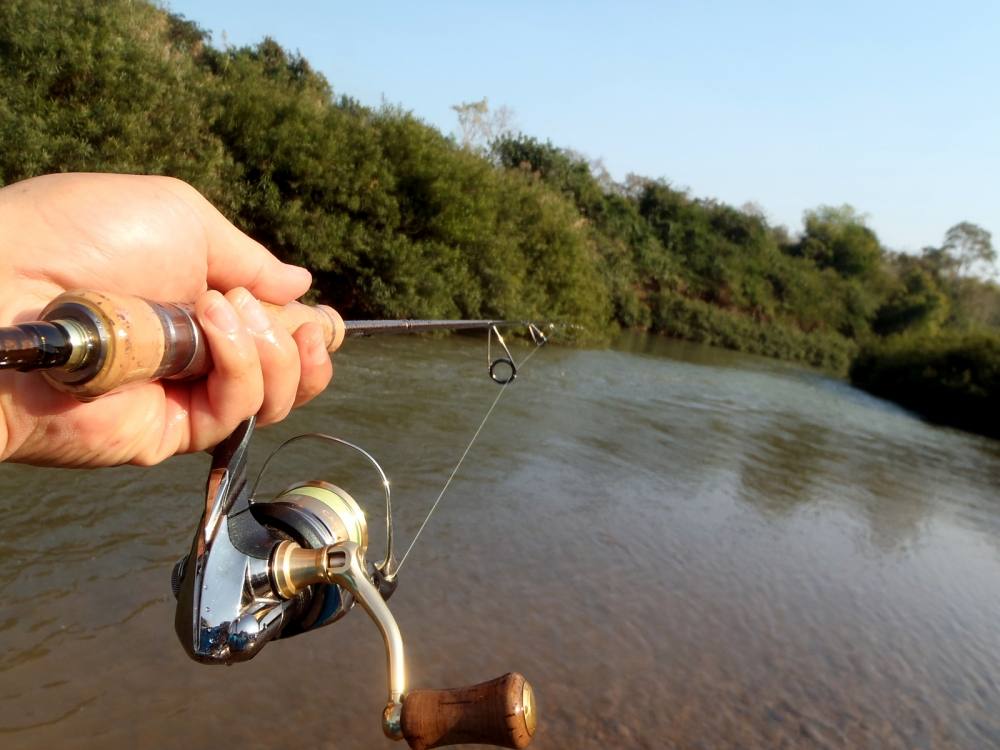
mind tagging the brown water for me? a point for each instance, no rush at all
(680, 547)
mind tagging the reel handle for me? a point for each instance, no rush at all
(119, 339)
(499, 712)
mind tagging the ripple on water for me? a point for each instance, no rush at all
(680, 547)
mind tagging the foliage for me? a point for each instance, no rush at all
(837, 238)
(103, 86)
(632, 262)
(917, 304)
(699, 321)
(952, 378)
(312, 182)
(975, 303)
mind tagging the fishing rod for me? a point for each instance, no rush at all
(264, 568)
(89, 343)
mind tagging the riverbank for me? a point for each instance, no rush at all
(703, 323)
(951, 379)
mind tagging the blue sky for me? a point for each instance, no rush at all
(893, 107)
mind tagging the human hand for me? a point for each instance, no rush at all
(158, 238)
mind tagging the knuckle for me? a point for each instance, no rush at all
(276, 414)
(177, 186)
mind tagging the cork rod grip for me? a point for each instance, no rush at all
(135, 340)
(294, 314)
(499, 712)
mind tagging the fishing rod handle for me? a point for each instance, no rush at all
(499, 712)
(131, 340)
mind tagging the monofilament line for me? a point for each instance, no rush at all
(454, 471)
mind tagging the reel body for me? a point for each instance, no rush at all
(227, 606)
(262, 570)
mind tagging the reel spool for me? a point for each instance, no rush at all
(262, 570)
(316, 514)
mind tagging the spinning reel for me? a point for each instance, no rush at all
(265, 569)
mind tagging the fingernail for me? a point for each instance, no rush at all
(223, 316)
(253, 314)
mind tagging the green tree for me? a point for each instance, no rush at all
(917, 304)
(837, 238)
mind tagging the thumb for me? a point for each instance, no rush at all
(234, 259)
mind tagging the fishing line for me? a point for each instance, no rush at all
(454, 471)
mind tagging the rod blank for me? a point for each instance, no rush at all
(373, 327)
(34, 346)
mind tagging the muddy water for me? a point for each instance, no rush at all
(680, 547)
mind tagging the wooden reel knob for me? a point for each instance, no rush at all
(499, 712)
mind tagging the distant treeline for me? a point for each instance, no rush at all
(395, 218)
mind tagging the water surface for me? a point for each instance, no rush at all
(679, 546)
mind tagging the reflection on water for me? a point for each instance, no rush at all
(680, 547)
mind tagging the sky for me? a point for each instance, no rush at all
(892, 107)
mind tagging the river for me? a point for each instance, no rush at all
(678, 546)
